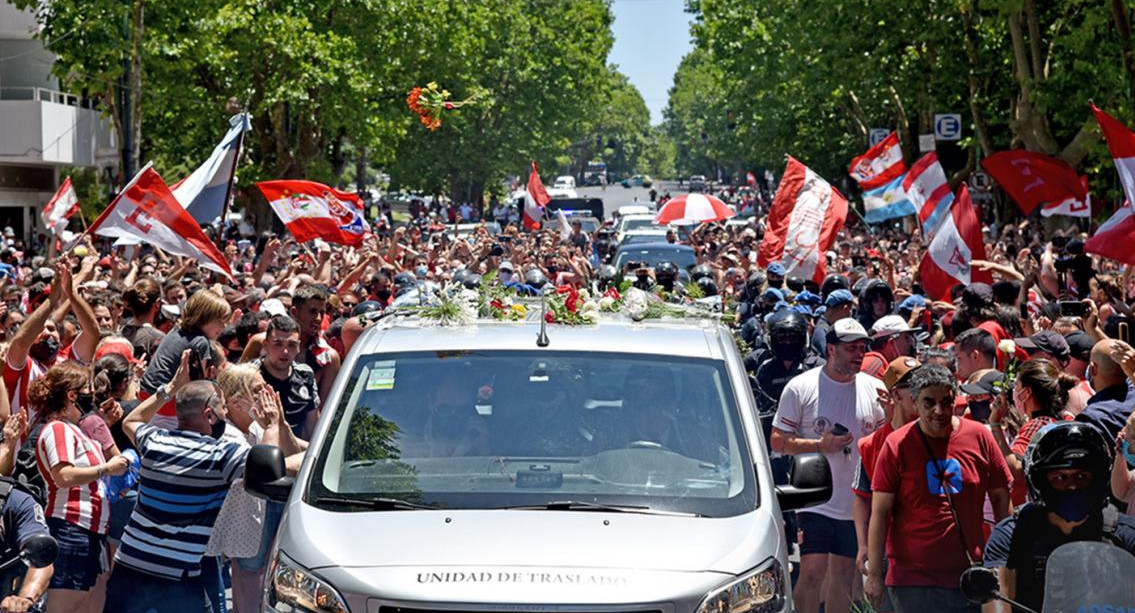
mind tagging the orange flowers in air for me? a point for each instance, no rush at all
(431, 101)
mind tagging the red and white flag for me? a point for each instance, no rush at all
(146, 210)
(535, 199)
(806, 214)
(881, 164)
(1115, 237)
(313, 210)
(956, 244)
(1033, 179)
(750, 179)
(928, 190)
(62, 206)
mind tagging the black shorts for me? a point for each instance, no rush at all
(823, 534)
(82, 556)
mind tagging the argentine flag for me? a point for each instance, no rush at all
(887, 202)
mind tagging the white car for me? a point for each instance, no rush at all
(636, 221)
(652, 234)
(564, 182)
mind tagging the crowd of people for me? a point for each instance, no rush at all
(136, 382)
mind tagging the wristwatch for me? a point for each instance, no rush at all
(163, 393)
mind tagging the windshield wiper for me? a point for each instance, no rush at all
(579, 505)
(379, 504)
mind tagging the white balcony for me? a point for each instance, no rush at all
(43, 126)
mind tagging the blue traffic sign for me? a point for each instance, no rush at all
(947, 127)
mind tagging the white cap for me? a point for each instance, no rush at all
(846, 330)
(890, 324)
(506, 265)
(273, 307)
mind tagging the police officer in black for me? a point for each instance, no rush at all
(787, 355)
(1068, 468)
(21, 518)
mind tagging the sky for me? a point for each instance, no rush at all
(651, 36)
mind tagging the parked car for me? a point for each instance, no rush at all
(638, 181)
(698, 183)
(618, 466)
(564, 182)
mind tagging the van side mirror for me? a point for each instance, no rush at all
(809, 482)
(265, 475)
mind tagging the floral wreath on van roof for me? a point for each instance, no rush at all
(565, 305)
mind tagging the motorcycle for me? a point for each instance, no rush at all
(38, 551)
(1080, 577)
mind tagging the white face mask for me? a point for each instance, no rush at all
(505, 276)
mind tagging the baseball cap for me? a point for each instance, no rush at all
(121, 348)
(1080, 345)
(506, 265)
(985, 384)
(273, 307)
(977, 294)
(1048, 341)
(839, 297)
(773, 294)
(776, 268)
(874, 364)
(802, 308)
(897, 370)
(912, 302)
(808, 298)
(846, 330)
(890, 324)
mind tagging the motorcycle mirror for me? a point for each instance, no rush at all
(39, 551)
(979, 584)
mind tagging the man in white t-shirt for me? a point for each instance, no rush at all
(826, 410)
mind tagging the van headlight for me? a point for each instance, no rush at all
(759, 591)
(293, 589)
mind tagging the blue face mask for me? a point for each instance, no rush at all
(1074, 506)
(1128, 453)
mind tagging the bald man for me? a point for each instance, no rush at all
(1112, 403)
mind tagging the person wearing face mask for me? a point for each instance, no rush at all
(36, 345)
(161, 563)
(72, 466)
(1067, 467)
(1123, 469)
(1040, 393)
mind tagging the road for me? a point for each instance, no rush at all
(615, 196)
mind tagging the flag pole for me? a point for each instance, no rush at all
(870, 231)
(229, 187)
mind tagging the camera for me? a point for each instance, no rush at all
(1073, 308)
(496, 250)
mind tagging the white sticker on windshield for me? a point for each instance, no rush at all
(381, 376)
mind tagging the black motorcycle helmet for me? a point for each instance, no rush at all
(364, 307)
(832, 283)
(788, 334)
(873, 288)
(666, 273)
(701, 271)
(535, 278)
(754, 283)
(460, 275)
(708, 286)
(404, 279)
(607, 275)
(1075, 445)
(684, 277)
(472, 281)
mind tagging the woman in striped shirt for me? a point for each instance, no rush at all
(73, 465)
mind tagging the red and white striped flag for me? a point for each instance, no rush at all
(881, 164)
(750, 179)
(535, 199)
(313, 210)
(146, 210)
(62, 206)
(956, 244)
(806, 214)
(928, 190)
(1114, 238)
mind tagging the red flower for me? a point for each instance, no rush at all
(572, 300)
(412, 100)
(550, 317)
(612, 293)
(449, 106)
(496, 304)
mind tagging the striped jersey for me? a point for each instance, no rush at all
(86, 506)
(183, 482)
(17, 380)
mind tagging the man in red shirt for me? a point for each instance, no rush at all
(898, 407)
(927, 472)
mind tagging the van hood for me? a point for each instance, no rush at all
(426, 540)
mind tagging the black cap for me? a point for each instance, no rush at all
(1048, 341)
(1080, 345)
(978, 295)
(986, 384)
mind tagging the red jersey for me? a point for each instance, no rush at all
(868, 454)
(923, 542)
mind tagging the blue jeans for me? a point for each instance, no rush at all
(130, 591)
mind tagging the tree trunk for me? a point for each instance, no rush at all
(1029, 123)
(977, 111)
(1123, 27)
(135, 79)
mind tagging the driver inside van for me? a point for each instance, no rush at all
(648, 409)
(451, 425)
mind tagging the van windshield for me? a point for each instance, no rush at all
(494, 429)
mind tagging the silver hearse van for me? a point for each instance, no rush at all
(619, 468)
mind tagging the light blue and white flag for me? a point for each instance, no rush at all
(887, 202)
(203, 192)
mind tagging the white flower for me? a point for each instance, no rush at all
(607, 303)
(589, 305)
(507, 301)
(591, 317)
(584, 294)
(634, 305)
(1007, 347)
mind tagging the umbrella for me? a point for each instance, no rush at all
(692, 209)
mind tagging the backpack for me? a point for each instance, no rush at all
(26, 471)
